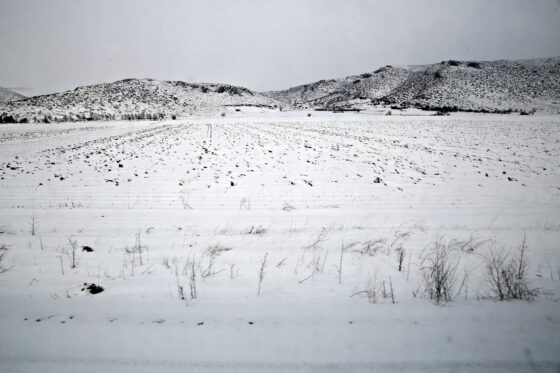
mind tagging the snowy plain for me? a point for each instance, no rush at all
(159, 202)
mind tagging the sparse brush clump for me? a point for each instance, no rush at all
(33, 225)
(378, 292)
(133, 255)
(73, 252)
(507, 274)
(469, 245)
(262, 273)
(256, 230)
(3, 254)
(216, 249)
(321, 237)
(212, 252)
(439, 272)
(372, 247)
(189, 270)
(401, 254)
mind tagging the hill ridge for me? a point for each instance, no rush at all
(134, 98)
(7, 95)
(497, 85)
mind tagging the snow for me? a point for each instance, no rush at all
(135, 99)
(7, 95)
(467, 85)
(302, 188)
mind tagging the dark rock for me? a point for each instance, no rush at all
(93, 288)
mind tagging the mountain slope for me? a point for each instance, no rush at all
(134, 99)
(466, 85)
(7, 96)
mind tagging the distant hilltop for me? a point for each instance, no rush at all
(134, 99)
(486, 86)
(500, 86)
(7, 95)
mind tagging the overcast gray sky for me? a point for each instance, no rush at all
(55, 45)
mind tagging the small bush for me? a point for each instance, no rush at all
(527, 112)
(217, 249)
(3, 254)
(256, 230)
(507, 275)
(439, 272)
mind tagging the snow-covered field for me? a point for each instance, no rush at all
(189, 219)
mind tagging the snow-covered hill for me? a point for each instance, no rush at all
(488, 86)
(134, 99)
(465, 85)
(6, 95)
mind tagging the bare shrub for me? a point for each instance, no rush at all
(376, 292)
(261, 273)
(3, 255)
(316, 265)
(216, 249)
(180, 289)
(371, 247)
(133, 255)
(370, 291)
(258, 230)
(507, 275)
(401, 254)
(245, 204)
(192, 282)
(469, 245)
(165, 262)
(189, 271)
(321, 237)
(33, 225)
(343, 250)
(439, 272)
(288, 207)
(212, 252)
(138, 246)
(399, 240)
(73, 252)
(387, 291)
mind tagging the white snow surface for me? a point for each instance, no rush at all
(155, 199)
